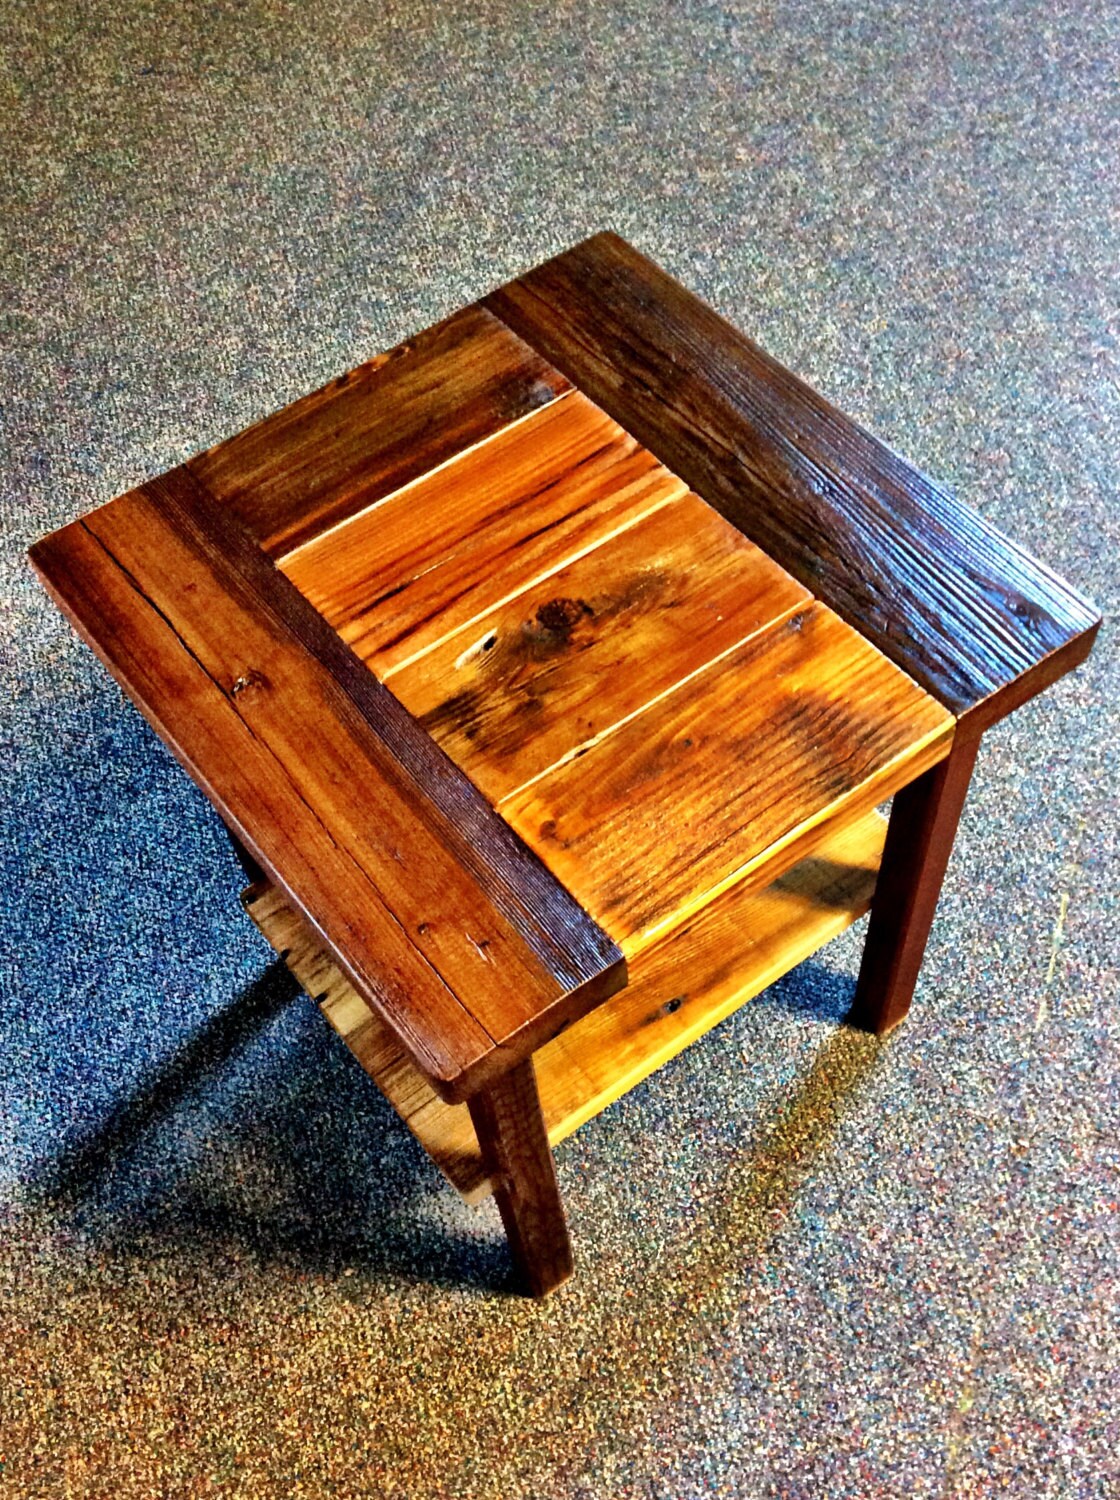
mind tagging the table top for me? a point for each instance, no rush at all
(511, 650)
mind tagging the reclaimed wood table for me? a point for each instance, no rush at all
(548, 672)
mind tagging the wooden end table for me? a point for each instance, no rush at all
(547, 672)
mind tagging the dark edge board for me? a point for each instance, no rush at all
(337, 450)
(554, 925)
(969, 615)
(73, 588)
(587, 964)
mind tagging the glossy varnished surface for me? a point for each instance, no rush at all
(399, 577)
(377, 427)
(655, 706)
(967, 613)
(548, 672)
(444, 920)
(731, 776)
(496, 700)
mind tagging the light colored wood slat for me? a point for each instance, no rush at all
(360, 437)
(398, 578)
(557, 667)
(730, 776)
(679, 989)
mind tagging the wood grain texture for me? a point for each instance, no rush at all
(730, 776)
(376, 428)
(923, 826)
(399, 578)
(518, 1160)
(679, 990)
(563, 662)
(212, 741)
(338, 757)
(968, 614)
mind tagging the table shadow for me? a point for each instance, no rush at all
(306, 1166)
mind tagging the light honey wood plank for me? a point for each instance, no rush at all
(558, 666)
(397, 579)
(376, 428)
(979, 623)
(730, 776)
(679, 989)
(683, 986)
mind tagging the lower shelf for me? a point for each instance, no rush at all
(678, 990)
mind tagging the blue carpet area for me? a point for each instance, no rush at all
(810, 1264)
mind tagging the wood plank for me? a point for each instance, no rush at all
(696, 977)
(679, 990)
(376, 428)
(509, 943)
(213, 743)
(400, 577)
(521, 888)
(554, 669)
(967, 613)
(730, 774)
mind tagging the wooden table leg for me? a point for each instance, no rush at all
(919, 841)
(253, 871)
(511, 1132)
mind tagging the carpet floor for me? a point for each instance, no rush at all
(811, 1264)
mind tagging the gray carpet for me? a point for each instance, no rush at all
(810, 1264)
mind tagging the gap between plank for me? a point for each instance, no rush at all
(280, 558)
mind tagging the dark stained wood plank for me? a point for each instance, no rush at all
(376, 428)
(924, 818)
(730, 776)
(334, 767)
(397, 579)
(478, 906)
(518, 1160)
(553, 669)
(209, 738)
(968, 614)
(520, 886)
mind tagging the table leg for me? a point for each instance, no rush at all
(253, 872)
(514, 1141)
(919, 841)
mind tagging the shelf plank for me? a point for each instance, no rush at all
(550, 672)
(400, 577)
(376, 428)
(679, 989)
(731, 776)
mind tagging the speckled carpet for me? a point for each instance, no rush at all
(810, 1264)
